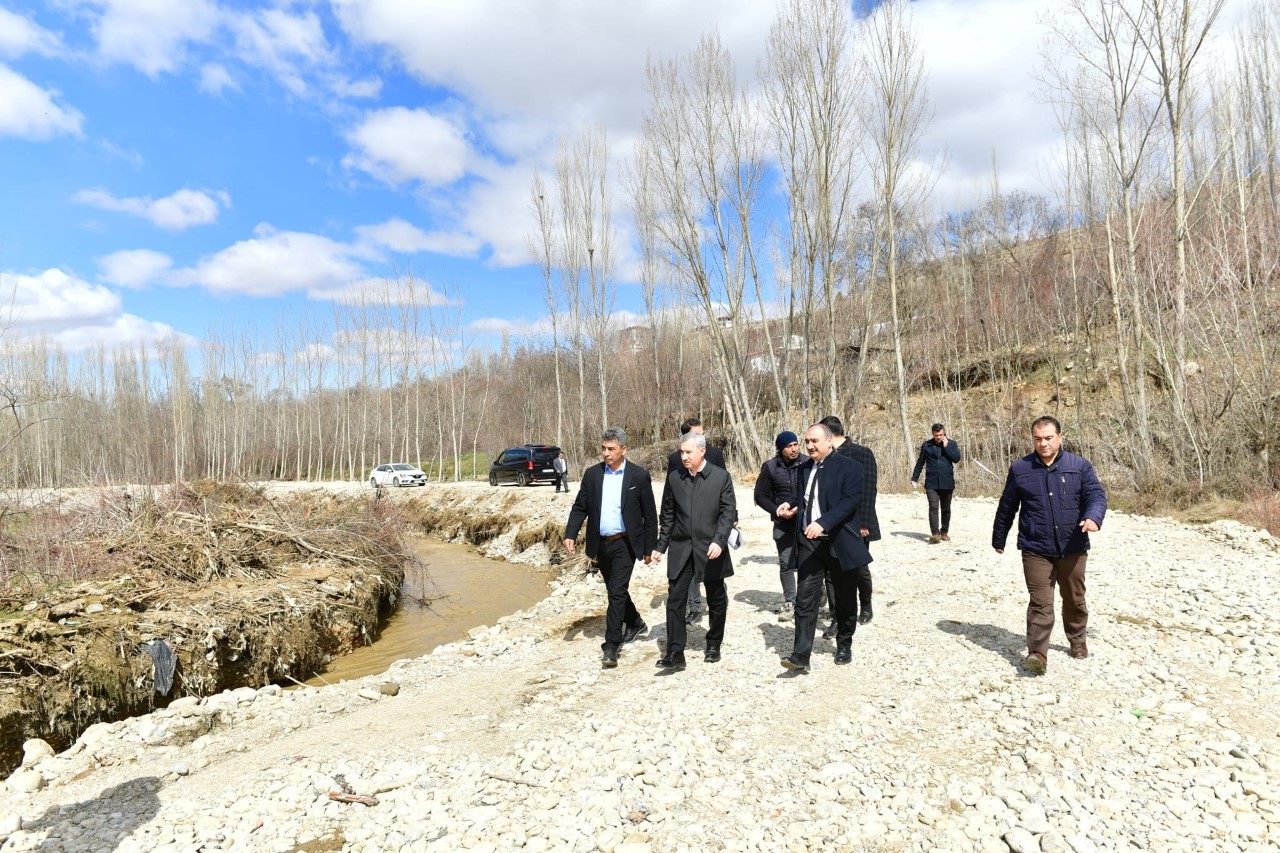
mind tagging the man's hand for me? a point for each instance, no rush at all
(1088, 526)
(648, 558)
(999, 550)
(786, 511)
(569, 545)
(813, 531)
(914, 485)
(713, 551)
(864, 532)
(655, 557)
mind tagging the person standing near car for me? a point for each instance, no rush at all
(698, 511)
(561, 466)
(615, 499)
(775, 487)
(938, 457)
(1059, 501)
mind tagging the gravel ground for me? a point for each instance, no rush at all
(1165, 738)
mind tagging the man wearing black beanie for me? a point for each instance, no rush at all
(776, 486)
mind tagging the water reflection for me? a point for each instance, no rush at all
(465, 590)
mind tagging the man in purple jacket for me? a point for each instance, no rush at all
(1059, 502)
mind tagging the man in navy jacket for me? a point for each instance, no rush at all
(938, 458)
(1059, 502)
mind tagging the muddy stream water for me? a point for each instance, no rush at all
(464, 589)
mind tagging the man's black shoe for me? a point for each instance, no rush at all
(793, 662)
(865, 616)
(829, 633)
(844, 655)
(629, 634)
(609, 657)
(673, 661)
(712, 654)
(693, 617)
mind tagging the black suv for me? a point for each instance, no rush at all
(525, 465)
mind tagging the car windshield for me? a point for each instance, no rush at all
(403, 468)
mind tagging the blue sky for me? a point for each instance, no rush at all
(181, 167)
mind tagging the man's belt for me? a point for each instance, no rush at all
(615, 537)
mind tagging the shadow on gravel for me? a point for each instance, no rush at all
(1002, 641)
(760, 600)
(781, 638)
(764, 561)
(587, 626)
(122, 807)
(907, 534)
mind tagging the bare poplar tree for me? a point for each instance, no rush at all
(542, 247)
(895, 111)
(810, 97)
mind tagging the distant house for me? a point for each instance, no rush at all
(633, 340)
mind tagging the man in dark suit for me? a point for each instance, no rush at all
(698, 510)
(674, 463)
(829, 543)
(867, 522)
(615, 498)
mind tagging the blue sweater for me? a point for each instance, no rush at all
(1050, 502)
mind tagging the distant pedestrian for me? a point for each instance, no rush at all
(561, 466)
(1059, 502)
(937, 459)
(776, 487)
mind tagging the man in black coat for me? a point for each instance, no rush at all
(698, 510)
(867, 522)
(615, 498)
(775, 486)
(938, 458)
(674, 463)
(828, 543)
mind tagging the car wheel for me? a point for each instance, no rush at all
(397, 482)
(373, 481)
(522, 479)
(493, 479)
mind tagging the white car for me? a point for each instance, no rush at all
(397, 474)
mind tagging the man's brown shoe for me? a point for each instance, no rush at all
(1079, 650)
(944, 537)
(934, 539)
(1035, 663)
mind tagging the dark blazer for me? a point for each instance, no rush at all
(714, 457)
(697, 509)
(938, 464)
(639, 513)
(840, 488)
(866, 516)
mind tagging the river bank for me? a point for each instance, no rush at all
(1165, 738)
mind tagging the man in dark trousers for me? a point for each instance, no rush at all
(698, 510)
(615, 498)
(937, 459)
(561, 466)
(1059, 502)
(828, 542)
(714, 457)
(775, 486)
(867, 522)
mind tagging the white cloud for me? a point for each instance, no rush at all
(274, 263)
(284, 44)
(399, 145)
(126, 331)
(395, 234)
(181, 210)
(134, 268)
(215, 79)
(54, 300)
(151, 35)
(405, 290)
(29, 112)
(20, 36)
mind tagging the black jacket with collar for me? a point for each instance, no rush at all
(697, 510)
(840, 488)
(866, 518)
(639, 512)
(776, 485)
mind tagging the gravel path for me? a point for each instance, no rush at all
(1166, 738)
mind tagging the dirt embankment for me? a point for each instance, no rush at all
(241, 590)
